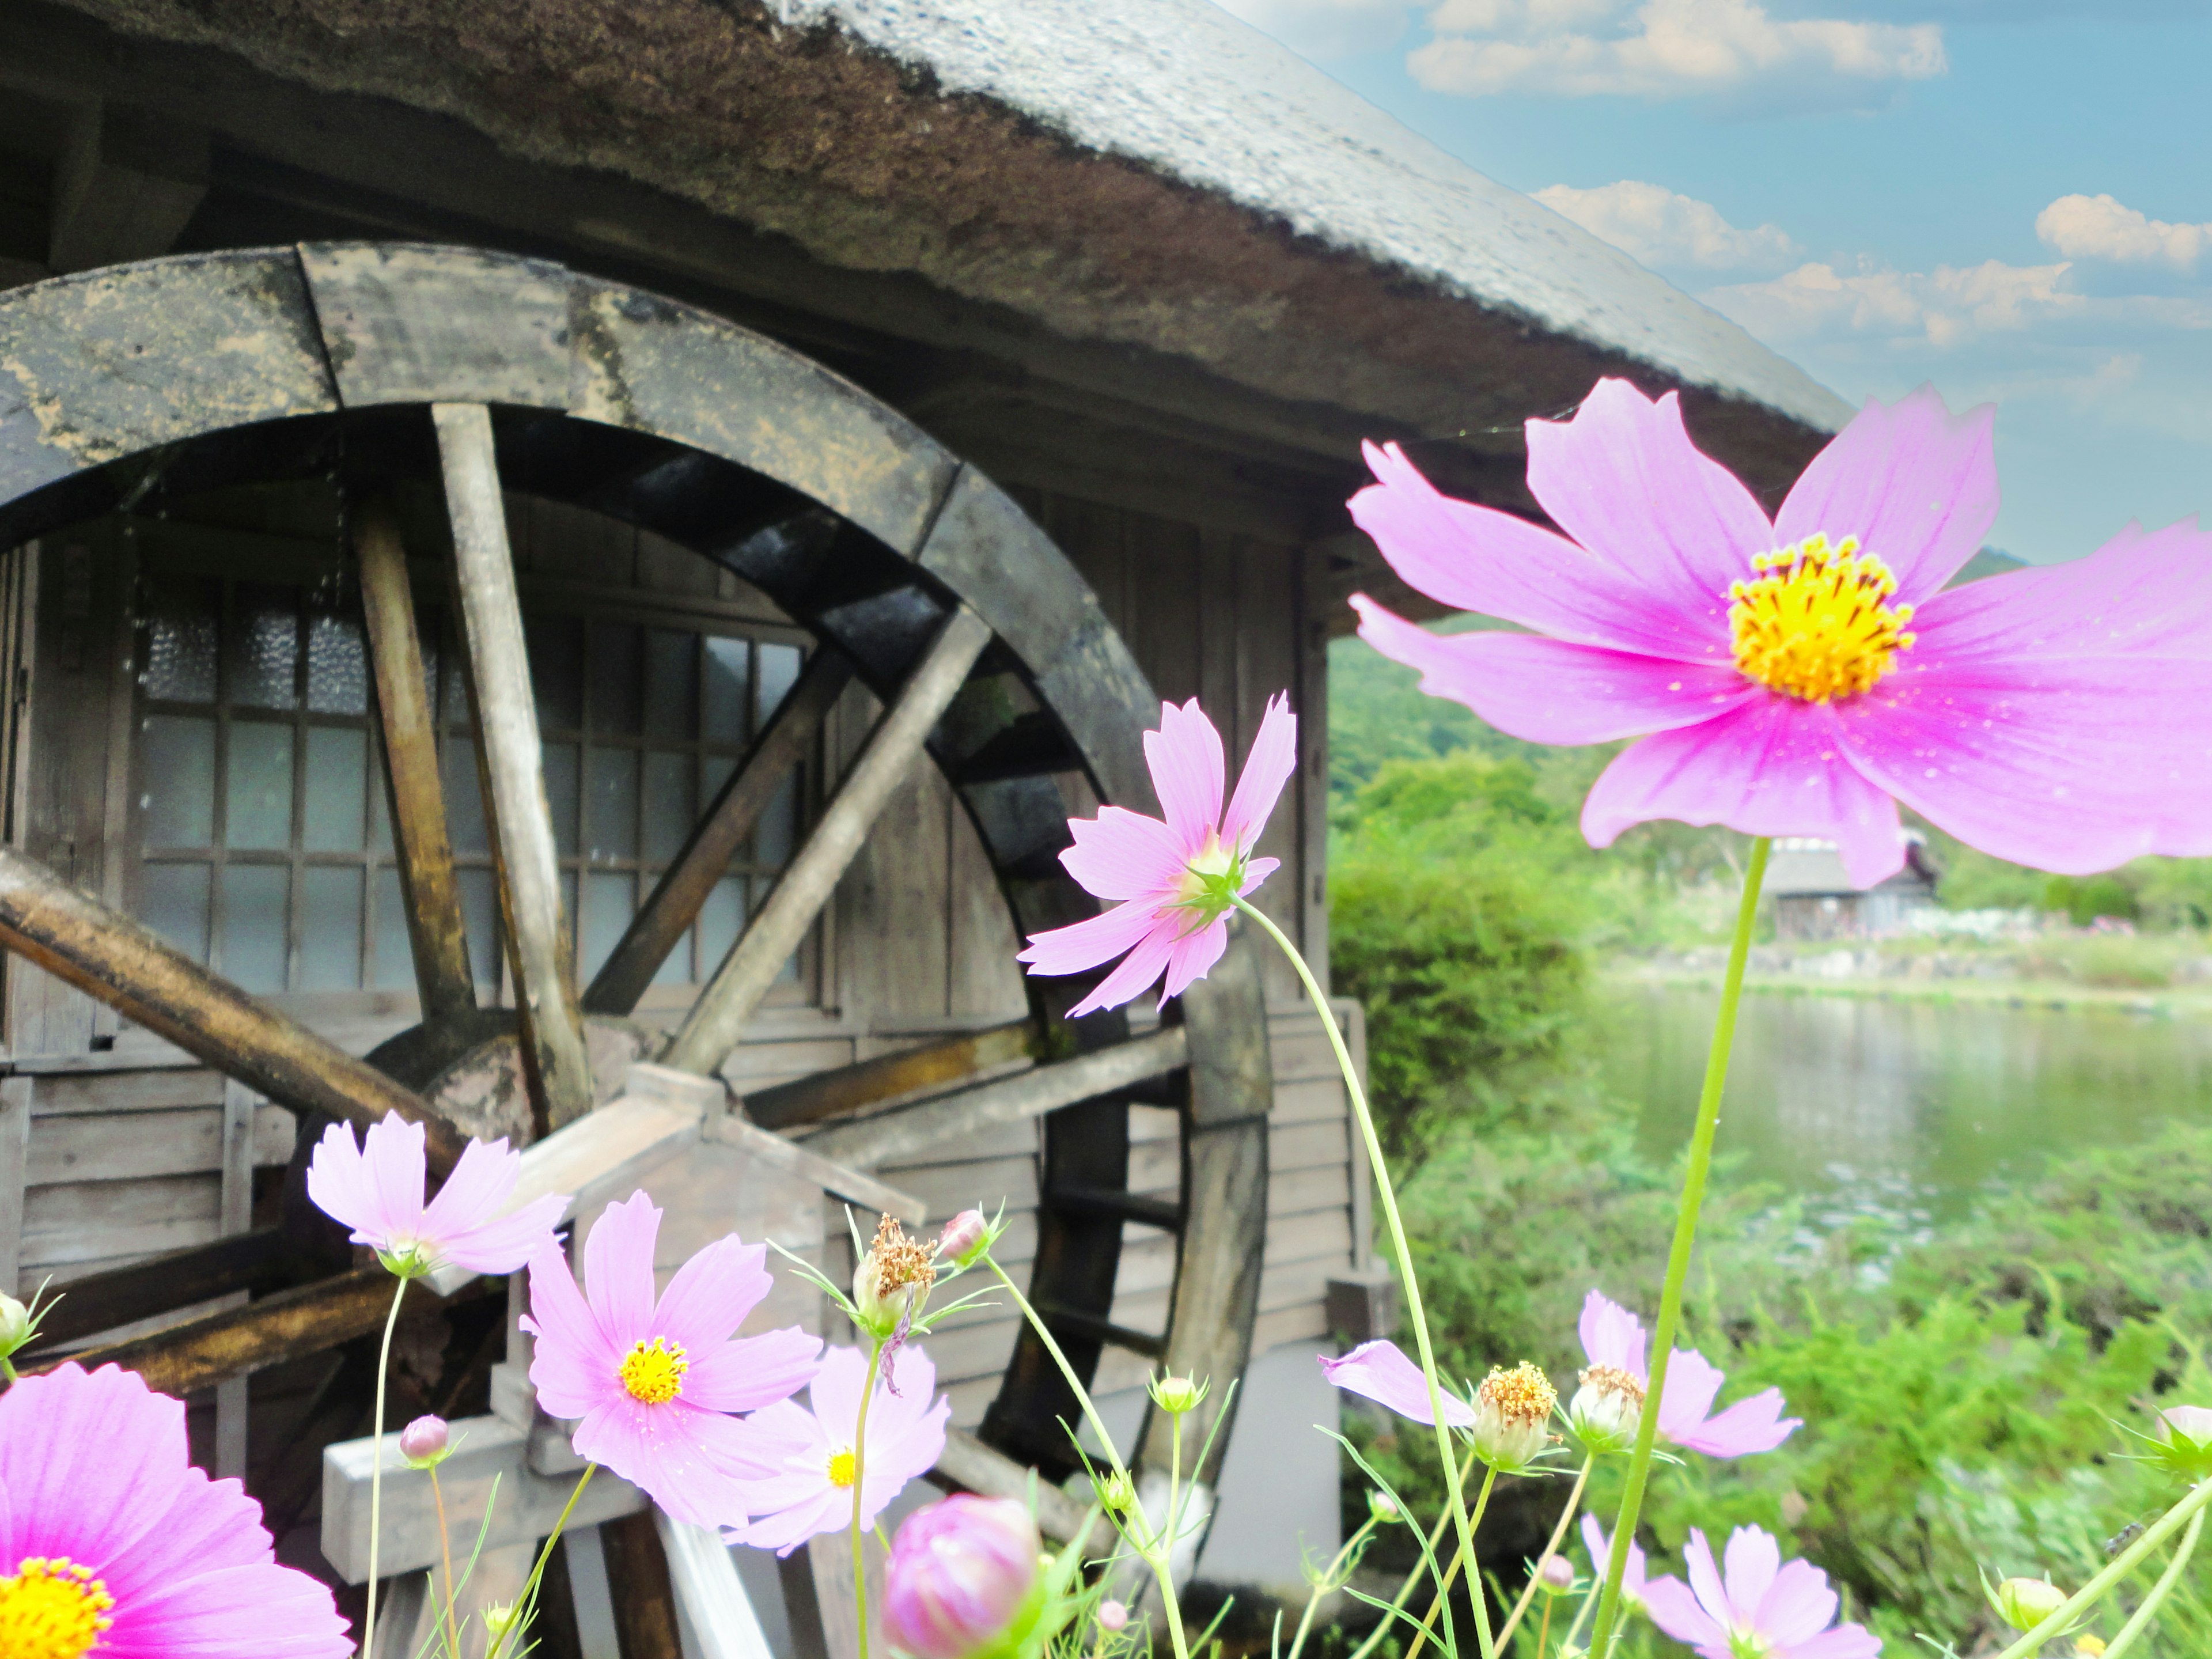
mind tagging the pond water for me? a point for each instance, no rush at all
(1902, 1109)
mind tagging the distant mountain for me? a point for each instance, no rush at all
(1990, 562)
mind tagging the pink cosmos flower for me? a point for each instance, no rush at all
(961, 1572)
(807, 1486)
(377, 1190)
(1804, 677)
(1601, 1555)
(1613, 1338)
(652, 1381)
(1764, 1609)
(1380, 1371)
(111, 1540)
(1176, 878)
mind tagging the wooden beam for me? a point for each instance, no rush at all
(967, 1464)
(14, 1163)
(429, 891)
(555, 1065)
(722, 829)
(162, 1283)
(706, 1582)
(926, 1069)
(646, 1625)
(118, 961)
(900, 1133)
(717, 1018)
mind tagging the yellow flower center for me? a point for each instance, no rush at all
(653, 1371)
(1815, 625)
(844, 1467)
(1523, 1395)
(52, 1609)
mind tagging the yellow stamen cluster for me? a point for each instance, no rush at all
(1611, 1379)
(1523, 1396)
(653, 1371)
(52, 1609)
(844, 1467)
(899, 1262)
(1815, 624)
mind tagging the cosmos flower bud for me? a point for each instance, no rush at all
(499, 1619)
(1604, 1411)
(1113, 1616)
(965, 1237)
(1382, 1509)
(2184, 1441)
(2024, 1603)
(1512, 1417)
(1556, 1576)
(1118, 1494)
(1177, 1395)
(891, 1282)
(15, 1326)
(964, 1580)
(423, 1443)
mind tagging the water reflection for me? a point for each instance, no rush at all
(1903, 1108)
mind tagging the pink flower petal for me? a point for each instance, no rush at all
(784, 1530)
(1086, 943)
(668, 1451)
(473, 1192)
(1121, 854)
(212, 1525)
(574, 1364)
(1796, 1606)
(2140, 594)
(1844, 1642)
(835, 1392)
(1138, 970)
(1705, 1580)
(1545, 691)
(503, 1247)
(1475, 558)
(1691, 1385)
(1674, 1609)
(1917, 486)
(392, 1156)
(1751, 1563)
(753, 1371)
(1601, 1555)
(618, 1269)
(1188, 768)
(1624, 481)
(1611, 1335)
(1193, 955)
(1753, 1425)
(89, 1462)
(1774, 767)
(338, 1184)
(1379, 1370)
(710, 1294)
(269, 1610)
(1272, 764)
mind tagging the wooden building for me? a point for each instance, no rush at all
(799, 322)
(1813, 899)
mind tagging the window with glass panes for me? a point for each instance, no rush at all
(262, 846)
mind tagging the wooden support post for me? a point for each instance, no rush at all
(645, 1625)
(717, 1018)
(428, 887)
(236, 1217)
(555, 1063)
(14, 1158)
(683, 887)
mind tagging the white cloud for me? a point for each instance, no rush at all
(1325, 28)
(1942, 307)
(1658, 227)
(1661, 49)
(2099, 228)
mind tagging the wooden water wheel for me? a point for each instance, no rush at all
(390, 366)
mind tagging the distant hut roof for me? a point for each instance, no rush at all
(1805, 866)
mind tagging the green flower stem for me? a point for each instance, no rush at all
(1567, 1642)
(1381, 1171)
(526, 1603)
(1082, 1394)
(2140, 1620)
(1413, 1574)
(376, 1470)
(1551, 1548)
(860, 1478)
(1452, 1575)
(1326, 1581)
(446, 1549)
(1161, 1556)
(2118, 1568)
(1678, 1255)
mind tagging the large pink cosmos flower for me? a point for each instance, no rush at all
(111, 1540)
(377, 1190)
(652, 1381)
(1174, 877)
(1764, 1609)
(1804, 677)
(1379, 1370)
(1613, 1339)
(807, 1487)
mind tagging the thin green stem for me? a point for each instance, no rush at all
(2118, 1568)
(1326, 1581)
(1678, 1255)
(1543, 1631)
(446, 1549)
(1161, 1555)
(376, 1471)
(859, 1476)
(1380, 1170)
(1082, 1394)
(525, 1604)
(1451, 1574)
(1567, 1642)
(2140, 1621)
(1413, 1574)
(1550, 1549)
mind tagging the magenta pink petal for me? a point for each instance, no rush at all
(89, 1462)
(1546, 690)
(1675, 1610)
(666, 1450)
(1770, 767)
(1611, 1335)
(1379, 1370)
(480, 1182)
(1086, 943)
(338, 1182)
(1693, 1383)
(268, 1611)
(753, 1371)
(1193, 955)
(1272, 764)
(1624, 481)
(1751, 1425)
(502, 1246)
(1916, 484)
(1121, 854)
(618, 1269)
(1705, 1581)
(2140, 594)
(1844, 1642)
(1187, 769)
(1796, 1606)
(1137, 971)
(212, 1525)
(710, 1294)
(1752, 1560)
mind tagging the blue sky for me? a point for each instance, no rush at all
(2012, 199)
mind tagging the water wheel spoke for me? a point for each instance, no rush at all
(162, 1283)
(124, 963)
(717, 1020)
(720, 833)
(556, 1067)
(928, 1068)
(435, 932)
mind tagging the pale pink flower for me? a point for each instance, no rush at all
(1379, 1370)
(1803, 677)
(961, 1572)
(377, 1190)
(111, 1543)
(652, 1381)
(1614, 1337)
(1175, 878)
(1601, 1555)
(809, 1458)
(1763, 1609)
